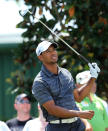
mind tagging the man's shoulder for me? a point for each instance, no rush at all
(38, 79)
(39, 82)
(65, 71)
(40, 76)
(98, 98)
(103, 102)
(11, 121)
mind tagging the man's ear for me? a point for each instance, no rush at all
(40, 57)
(15, 106)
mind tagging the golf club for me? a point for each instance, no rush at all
(24, 12)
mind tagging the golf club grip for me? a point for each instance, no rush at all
(84, 58)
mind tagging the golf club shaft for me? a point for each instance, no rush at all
(60, 38)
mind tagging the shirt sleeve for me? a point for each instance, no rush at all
(105, 106)
(41, 92)
(72, 79)
(105, 115)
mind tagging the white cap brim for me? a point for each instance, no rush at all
(43, 46)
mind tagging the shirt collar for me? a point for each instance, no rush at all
(47, 72)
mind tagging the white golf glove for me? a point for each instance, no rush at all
(94, 70)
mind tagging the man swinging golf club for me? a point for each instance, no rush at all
(55, 90)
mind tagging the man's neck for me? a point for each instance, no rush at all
(23, 117)
(52, 68)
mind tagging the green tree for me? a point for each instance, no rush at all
(85, 25)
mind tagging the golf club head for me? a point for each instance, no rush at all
(23, 12)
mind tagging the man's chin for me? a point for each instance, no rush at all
(54, 62)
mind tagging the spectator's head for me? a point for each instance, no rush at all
(83, 78)
(22, 103)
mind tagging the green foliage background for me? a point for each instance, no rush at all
(87, 33)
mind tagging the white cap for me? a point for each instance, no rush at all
(83, 77)
(43, 46)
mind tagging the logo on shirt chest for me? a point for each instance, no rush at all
(84, 103)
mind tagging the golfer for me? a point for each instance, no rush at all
(55, 90)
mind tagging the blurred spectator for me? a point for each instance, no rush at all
(3, 126)
(22, 106)
(37, 124)
(100, 120)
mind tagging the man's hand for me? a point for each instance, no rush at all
(88, 114)
(106, 129)
(94, 70)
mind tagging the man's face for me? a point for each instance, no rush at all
(49, 56)
(23, 106)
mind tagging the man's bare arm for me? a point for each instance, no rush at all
(82, 92)
(64, 113)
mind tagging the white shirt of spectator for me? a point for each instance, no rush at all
(3, 126)
(37, 124)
